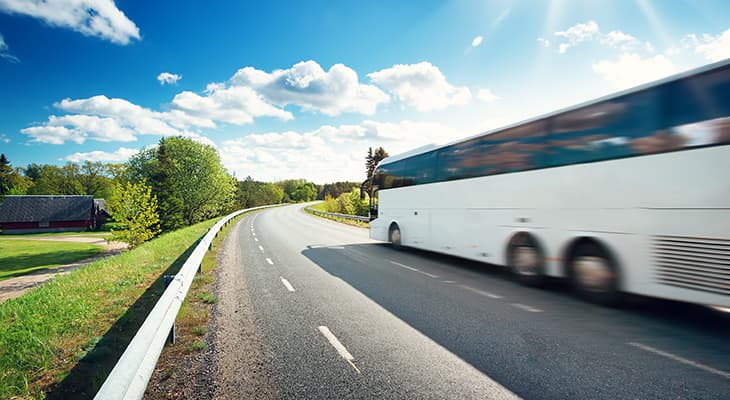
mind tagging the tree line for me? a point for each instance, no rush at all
(176, 183)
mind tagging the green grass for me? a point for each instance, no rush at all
(55, 234)
(320, 207)
(208, 298)
(197, 346)
(64, 337)
(19, 257)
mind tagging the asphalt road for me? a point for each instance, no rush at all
(347, 317)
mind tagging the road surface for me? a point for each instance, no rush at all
(342, 316)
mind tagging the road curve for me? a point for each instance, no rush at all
(346, 317)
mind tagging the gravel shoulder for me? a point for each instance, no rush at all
(236, 364)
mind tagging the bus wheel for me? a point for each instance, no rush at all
(394, 236)
(594, 275)
(526, 260)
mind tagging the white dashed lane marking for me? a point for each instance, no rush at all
(413, 269)
(268, 260)
(338, 346)
(482, 292)
(286, 283)
(525, 307)
(679, 359)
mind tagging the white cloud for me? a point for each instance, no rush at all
(120, 155)
(139, 119)
(487, 96)
(544, 42)
(103, 119)
(308, 86)
(576, 34)
(78, 128)
(4, 138)
(631, 70)
(168, 78)
(712, 47)
(620, 40)
(99, 18)
(311, 155)
(476, 41)
(5, 51)
(238, 105)
(421, 85)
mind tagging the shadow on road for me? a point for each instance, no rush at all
(497, 338)
(89, 374)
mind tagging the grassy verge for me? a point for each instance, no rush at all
(19, 257)
(191, 324)
(62, 339)
(320, 207)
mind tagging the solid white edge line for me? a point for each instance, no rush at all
(413, 269)
(338, 346)
(268, 260)
(525, 307)
(682, 360)
(287, 284)
(482, 292)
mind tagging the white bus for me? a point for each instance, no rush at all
(627, 193)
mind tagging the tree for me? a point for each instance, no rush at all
(12, 182)
(135, 208)
(191, 172)
(304, 192)
(371, 161)
(251, 193)
(5, 171)
(93, 179)
(163, 186)
(335, 189)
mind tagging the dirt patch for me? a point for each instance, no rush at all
(14, 287)
(236, 364)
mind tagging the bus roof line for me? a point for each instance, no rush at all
(610, 96)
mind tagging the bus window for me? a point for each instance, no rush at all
(518, 149)
(421, 169)
(698, 109)
(605, 130)
(515, 149)
(394, 175)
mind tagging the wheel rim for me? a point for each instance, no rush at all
(395, 235)
(526, 260)
(594, 274)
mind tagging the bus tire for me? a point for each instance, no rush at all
(594, 274)
(526, 260)
(394, 236)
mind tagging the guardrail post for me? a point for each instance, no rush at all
(167, 279)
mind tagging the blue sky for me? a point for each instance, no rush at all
(287, 89)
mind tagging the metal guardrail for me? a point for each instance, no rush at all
(131, 374)
(345, 216)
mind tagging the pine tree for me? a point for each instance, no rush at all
(371, 161)
(169, 203)
(5, 171)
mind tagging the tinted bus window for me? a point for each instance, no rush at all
(605, 130)
(421, 169)
(511, 150)
(697, 110)
(392, 175)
